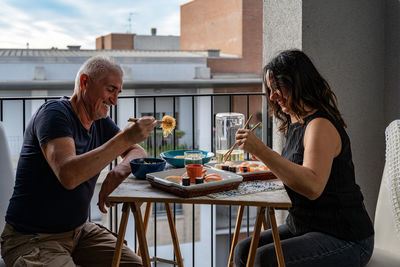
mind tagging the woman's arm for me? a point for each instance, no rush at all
(321, 145)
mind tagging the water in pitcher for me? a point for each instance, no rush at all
(236, 155)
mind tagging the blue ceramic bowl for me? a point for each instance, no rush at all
(171, 157)
(141, 167)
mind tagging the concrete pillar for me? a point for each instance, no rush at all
(345, 40)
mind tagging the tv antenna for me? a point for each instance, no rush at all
(130, 21)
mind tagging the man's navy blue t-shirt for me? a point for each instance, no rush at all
(40, 204)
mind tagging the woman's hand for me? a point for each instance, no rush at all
(249, 142)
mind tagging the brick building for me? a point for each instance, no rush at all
(234, 28)
(230, 26)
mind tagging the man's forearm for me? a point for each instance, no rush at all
(124, 168)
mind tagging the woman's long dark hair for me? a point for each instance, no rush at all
(293, 70)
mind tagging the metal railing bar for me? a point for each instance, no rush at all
(110, 166)
(191, 95)
(45, 98)
(173, 253)
(116, 219)
(230, 227)
(230, 103)
(193, 134)
(247, 114)
(176, 84)
(116, 122)
(212, 123)
(135, 108)
(193, 235)
(155, 231)
(154, 130)
(135, 115)
(137, 96)
(23, 115)
(212, 235)
(173, 115)
(110, 219)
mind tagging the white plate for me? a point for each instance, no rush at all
(247, 176)
(237, 163)
(227, 178)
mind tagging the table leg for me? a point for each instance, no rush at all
(236, 234)
(256, 237)
(174, 236)
(121, 235)
(137, 214)
(146, 219)
(264, 222)
(275, 235)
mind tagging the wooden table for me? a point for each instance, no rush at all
(133, 193)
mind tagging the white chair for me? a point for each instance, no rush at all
(6, 179)
(387, 215)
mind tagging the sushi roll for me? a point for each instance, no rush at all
(185, 181)
(225, 167)
(243, 169)
(199, 180)
(212, 177)
(232, 169)
(174, 179)
(218, 166)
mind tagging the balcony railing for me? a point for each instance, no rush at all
(195, 113)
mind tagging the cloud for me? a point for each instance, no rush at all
(58, 23)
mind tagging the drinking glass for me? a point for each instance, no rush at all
(193, 157)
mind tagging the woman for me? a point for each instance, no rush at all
(327, 224)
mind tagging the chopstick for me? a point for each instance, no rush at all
(256, 126)
(229, 152)
(136, 119)
(248, 121)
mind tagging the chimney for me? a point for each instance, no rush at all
(153, 31)
(73, 47)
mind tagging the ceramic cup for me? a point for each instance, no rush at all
(193, 171)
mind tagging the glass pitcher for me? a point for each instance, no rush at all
(226, 126)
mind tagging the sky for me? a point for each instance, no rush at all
(58, 23)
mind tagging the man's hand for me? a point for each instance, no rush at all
(111, 182)
(118, 175)
(139, 131)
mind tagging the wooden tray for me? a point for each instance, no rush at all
(229, 181)
(248, 176)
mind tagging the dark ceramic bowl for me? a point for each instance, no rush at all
(141, 167)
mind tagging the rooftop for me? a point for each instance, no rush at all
(12, 52)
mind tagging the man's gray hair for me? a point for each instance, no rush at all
(96, 68)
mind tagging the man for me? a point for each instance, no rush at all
(66, 145)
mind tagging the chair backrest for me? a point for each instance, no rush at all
(6, 176)
(387, 234)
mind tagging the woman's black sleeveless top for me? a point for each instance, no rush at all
(340, 210)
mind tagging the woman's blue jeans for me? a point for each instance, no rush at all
(310, 250)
